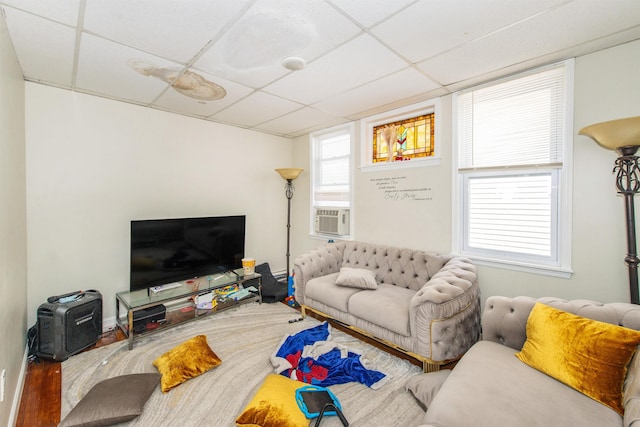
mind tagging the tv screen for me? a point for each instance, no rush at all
(169, 250)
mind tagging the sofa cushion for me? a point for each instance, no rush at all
(424, 387)
(185, 361)
(490, 387)
(360, 278)
(273, 405)
(585, 354)
(112, 401)
(387, 306)
(325, 290)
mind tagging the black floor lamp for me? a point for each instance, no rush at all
(289, 175)
(623, 136)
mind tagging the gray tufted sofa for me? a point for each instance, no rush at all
(426, 305)
(489, 386)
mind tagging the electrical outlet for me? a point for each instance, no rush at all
(3, 385)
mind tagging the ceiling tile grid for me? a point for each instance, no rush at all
(222, 60)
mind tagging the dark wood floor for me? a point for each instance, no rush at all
(40, 402)
(41, 395)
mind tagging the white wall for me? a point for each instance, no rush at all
(606, 87)
(13, 237)
(93, 165)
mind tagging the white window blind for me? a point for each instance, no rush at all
(519, 122)
(512, 213)
(332, 170)
(510, 139)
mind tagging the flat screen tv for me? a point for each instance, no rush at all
(170, 250)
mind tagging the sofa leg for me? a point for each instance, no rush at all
(303, 312)
(429, 367)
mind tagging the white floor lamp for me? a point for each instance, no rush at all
(623, 136)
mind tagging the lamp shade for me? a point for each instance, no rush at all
(289, 173)
(615, 134)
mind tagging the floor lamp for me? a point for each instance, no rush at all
(289, 175)
(623, 136)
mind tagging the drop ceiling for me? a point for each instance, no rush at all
(222, 60)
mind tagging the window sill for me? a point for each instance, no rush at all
(413, 163)
(330, 237)
(543, 270)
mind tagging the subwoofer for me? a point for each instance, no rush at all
(69, 324)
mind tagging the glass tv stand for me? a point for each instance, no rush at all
(157, 308)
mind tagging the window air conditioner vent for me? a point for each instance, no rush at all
(332, 221)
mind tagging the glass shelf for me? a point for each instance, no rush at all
(187, 290)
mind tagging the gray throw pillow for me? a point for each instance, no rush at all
(113, 401)
(360, 278)
(424, 387)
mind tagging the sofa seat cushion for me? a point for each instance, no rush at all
(324, 289)
(490, 387)
(387, 306)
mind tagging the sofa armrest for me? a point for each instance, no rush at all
(317, 262)
(445, 312)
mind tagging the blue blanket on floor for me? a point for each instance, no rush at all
(312, 357)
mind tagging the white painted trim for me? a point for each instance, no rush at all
(564, 269)
(17, 395)
(366, 135)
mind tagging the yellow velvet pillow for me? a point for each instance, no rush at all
(274, 405)
(585, 354)
(185, 361)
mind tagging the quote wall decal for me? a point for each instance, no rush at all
(398, 188)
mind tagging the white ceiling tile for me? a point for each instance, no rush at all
(389, 89)
(360, 61)
(257, 108)
(554, 31)
(255, 78)
(359, 53)
(174, 29)
(251, 52)
(44, 48)
(370, 12)
(437, 26)
(65, 12)
(107, 68)
(296, 121)
(176, 101)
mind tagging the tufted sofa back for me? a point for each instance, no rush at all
(407, 268)
(504, 319)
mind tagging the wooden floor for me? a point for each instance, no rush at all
(41, 395)
(40, 402)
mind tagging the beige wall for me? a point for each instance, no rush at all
(13, 251)
(93, 165)
(606, 87)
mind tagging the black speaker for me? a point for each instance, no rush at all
(68, 325)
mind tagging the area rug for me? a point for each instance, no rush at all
(243, 337)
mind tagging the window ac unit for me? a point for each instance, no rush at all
(332, 221)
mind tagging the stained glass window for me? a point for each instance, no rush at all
(404, 140)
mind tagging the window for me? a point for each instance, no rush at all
(513, 141)
(404, 140)
(331, 181)
(401, 138)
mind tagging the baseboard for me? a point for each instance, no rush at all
(108, 324)
(17, 395)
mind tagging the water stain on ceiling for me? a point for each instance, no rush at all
(185, 82)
